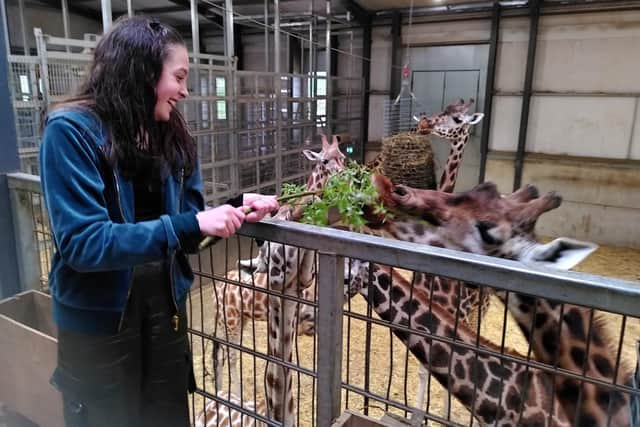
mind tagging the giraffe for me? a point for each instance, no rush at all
(497, 392)
(453, 124)
(236, 306)
(576, 339)
(565, 336)
(289, 270)
(216, 414)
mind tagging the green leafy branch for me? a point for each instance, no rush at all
(347, 192)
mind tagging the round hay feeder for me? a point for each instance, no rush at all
(407, 158)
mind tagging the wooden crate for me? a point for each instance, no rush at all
(28, 339)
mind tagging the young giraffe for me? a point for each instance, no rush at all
(236, 307)
(453, 124)
(217, 414)
(291, 269)
(561, 335)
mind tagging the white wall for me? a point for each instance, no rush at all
(588, 54)
(584, 129)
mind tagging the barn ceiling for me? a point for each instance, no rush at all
(177, 12)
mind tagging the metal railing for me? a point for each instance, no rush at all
(352, 362)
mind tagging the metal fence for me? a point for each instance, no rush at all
(359, 361)
(250, 127)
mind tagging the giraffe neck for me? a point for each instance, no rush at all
(291, 270)
(499, 393)
(279, 379)
(571, 338)
(452, 167)
(318, 178)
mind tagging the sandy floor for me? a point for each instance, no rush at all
(383, 371)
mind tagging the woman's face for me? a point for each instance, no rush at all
(172, 85)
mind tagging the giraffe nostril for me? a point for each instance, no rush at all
(400, 190)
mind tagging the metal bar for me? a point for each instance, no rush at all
(266, 35)
(277, 83)
(106, 15)
(195, 33)
(9, 162)
(228, 29)
(396, 41)
(41, 48)
(534, 8)
(23, 28)
(329, 86)
(569, 94)
(129, 8)
(610, 294)
(23, 214)
(330, 298)
(366, 85)
(5, 29)
(65, 19)
(633, 129)
(488, 92)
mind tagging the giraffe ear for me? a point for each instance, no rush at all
(476, 118)
(312, 155)
(562, 253)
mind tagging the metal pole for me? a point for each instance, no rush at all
(327, 53)
(129, 8)
(266, 35)
(488, 92)
(228, 28)
(396, 44)
(195, 32)
(534, 7)
(366, 85)
(5, 28)
(23, 28)
(277, 86)
(65, 18)
(330, 298)
(9, 162)
(106, 15)
(41, 49)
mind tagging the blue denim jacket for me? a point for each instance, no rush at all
(98, 242)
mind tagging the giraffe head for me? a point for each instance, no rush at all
(453, 122)
(480, 221)
(326, 162)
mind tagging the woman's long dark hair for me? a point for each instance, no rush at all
(121, 90)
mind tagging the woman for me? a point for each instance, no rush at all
(123, 191)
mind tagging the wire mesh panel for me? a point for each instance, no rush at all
(26, 94)
(35, 239)
(398, 116)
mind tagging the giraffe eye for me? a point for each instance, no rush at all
(458, 120)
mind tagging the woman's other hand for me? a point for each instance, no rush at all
(260, 206)
(222, 221)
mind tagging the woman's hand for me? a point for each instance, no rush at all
(222, 221)
(259, 205)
